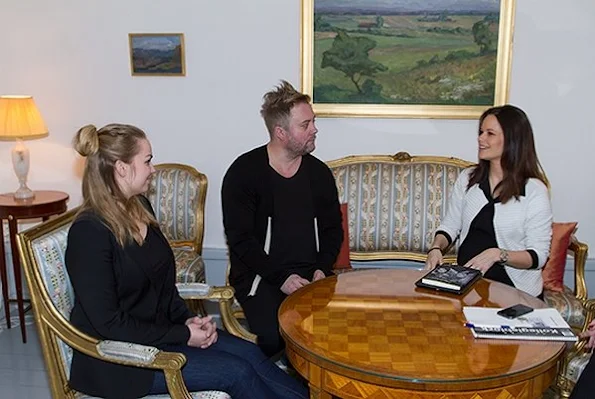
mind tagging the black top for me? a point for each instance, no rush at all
(248, 199)
(293, 249)
(125, 294)
(482, 236)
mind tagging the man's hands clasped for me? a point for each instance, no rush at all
(295, 282)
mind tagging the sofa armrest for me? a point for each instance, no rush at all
(579, 253)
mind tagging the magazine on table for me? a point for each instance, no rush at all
(450, 277)
(541, 324)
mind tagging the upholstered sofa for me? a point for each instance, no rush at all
(396, 202)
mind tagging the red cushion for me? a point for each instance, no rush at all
(553, 271)
(343, 261)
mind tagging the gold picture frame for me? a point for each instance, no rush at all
(157, 54)
(355, 25)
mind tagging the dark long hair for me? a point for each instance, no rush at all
(519, 159)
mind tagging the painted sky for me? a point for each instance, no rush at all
(161, 43)
(409, 5)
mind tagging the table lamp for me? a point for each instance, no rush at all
(20, 120)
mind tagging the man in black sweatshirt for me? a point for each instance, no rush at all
(280, 213)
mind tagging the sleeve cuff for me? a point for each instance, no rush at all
(178, 335)
(445, 234)
(534, 259)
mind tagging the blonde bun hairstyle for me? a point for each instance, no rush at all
(86, 140)
(102, 194)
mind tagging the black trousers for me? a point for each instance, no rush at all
(585, 386)
(261, 314)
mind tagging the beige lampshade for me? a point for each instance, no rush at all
(20, 119)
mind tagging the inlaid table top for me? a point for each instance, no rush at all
(375, 327)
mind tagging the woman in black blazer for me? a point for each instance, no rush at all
(122, 270)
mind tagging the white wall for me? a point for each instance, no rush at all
(72, 56)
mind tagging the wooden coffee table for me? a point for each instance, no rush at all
(373, 334)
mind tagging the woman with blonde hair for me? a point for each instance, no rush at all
(122, 270)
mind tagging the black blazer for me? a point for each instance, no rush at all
(117, 298)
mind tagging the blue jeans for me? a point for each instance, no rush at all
(234, 366)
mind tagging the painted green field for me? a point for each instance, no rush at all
(426, 61)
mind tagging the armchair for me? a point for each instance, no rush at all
(575, 361)
(178, 193)
(42, 249)
(578, 311)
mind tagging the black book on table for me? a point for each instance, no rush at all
(451, 278)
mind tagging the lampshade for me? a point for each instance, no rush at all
(20, 119)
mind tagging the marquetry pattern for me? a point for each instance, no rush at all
(345, 387)
(354, 331)
(348, 388)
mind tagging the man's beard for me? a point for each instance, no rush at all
(301, 150)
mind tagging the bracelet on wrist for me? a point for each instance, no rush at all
(434, 248)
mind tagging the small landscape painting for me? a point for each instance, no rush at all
(157, 54)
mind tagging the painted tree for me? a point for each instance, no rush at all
(485, 34)
(379, 21)
(350, 55)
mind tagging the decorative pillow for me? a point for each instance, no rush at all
(553, 271)
(343, 261)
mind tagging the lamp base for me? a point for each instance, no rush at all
(23, 193)
(20, 163)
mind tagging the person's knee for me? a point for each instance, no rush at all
(270, 343)
(241, 376)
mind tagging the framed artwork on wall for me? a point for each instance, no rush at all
(157, 54)
(406, 59)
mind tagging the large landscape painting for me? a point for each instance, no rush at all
(445, 53)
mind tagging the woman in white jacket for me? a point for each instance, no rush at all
(500, 209)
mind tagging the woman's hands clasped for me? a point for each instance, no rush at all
(203, 331)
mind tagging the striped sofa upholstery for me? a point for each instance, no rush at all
(395, 203)
(178, 193)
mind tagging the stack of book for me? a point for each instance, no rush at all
(541, 324)
(451, 278)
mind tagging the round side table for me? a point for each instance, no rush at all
(43, 205)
